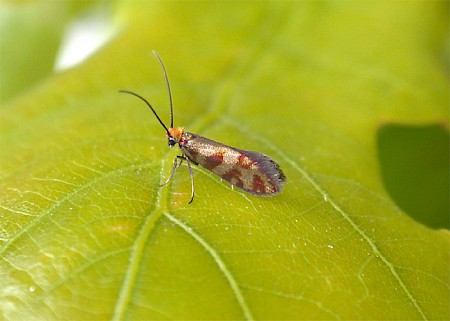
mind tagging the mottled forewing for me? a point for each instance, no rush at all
(253, 172)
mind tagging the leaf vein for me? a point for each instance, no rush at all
(333, 203)
(220, 263)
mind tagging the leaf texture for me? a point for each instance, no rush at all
(86, 233)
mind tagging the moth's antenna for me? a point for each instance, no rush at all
(148, 104)
(168, 86)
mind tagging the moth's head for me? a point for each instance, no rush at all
(174, 136)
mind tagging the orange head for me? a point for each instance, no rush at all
(174, 135)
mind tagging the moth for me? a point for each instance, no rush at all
(252, 172)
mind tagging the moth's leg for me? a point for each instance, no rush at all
(176, 164)
(192, 179)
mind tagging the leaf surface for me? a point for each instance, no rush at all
(86, 233)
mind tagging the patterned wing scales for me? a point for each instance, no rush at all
(250, 171)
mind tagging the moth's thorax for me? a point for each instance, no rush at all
(177, 133)
(185, 139)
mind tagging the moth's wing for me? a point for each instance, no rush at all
(253, 172)
(262, 175)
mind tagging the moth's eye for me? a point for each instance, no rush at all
(172, 142)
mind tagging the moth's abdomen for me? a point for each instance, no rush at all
(252, 172)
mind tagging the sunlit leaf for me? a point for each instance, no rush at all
(86, 233)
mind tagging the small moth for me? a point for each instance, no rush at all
(252, 172)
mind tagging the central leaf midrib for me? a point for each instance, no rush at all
(225, 93)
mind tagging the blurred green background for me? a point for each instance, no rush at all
(415, 167)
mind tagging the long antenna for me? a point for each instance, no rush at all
(148, 104)
(168, 86)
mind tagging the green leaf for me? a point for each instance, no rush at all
(29, 46)
(86, 233)
(415, 165)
